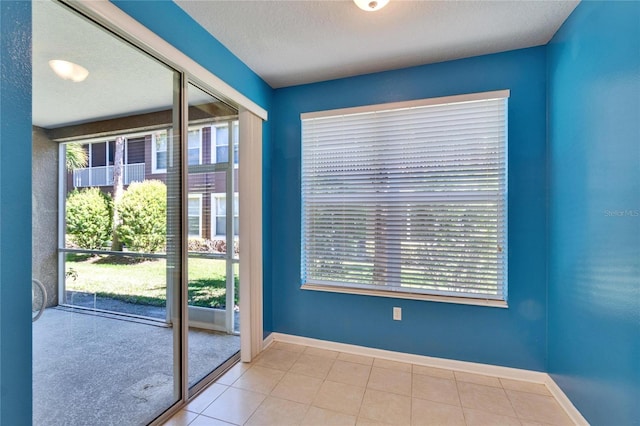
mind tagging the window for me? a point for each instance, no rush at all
(195, 142)
(235, 135)
(220, 143)
(407, 199)
(195, 215)
(219, 217)
(159, 151)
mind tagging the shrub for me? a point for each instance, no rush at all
(142, 213)
(89, 213)
(203, 245)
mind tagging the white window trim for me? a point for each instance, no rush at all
(193, 196)
(389, 292)
(214, 213)
(236, 215)
(232, 150)
(409, 296)
(213, 141)
(199, 130)
(154, 168)
(408, 104)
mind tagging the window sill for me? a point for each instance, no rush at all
(410, 296)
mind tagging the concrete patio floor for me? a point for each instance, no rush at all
(93, 369)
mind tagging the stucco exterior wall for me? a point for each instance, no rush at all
(45, 213)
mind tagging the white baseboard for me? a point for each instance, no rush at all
(268, 341)
(469, 367)
(449, 364)
(565, 402)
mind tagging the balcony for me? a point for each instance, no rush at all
(103, 176)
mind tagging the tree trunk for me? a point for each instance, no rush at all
(118, 169)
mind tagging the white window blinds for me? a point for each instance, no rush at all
(407, 197)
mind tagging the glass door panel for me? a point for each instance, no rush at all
(212, 236)
(107, 348)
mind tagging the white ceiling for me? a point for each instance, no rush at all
(285, 42)
(296, 42)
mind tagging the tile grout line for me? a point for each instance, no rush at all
(214, 399)
(298, 355)
(365, 389)
(455, 381)
(423, 360)
(310, 404)
(517, 417)
(511, 373)
(411, 397)
(510, 402)
(273, 347)
(319, 387)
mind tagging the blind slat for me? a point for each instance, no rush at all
(407, 200)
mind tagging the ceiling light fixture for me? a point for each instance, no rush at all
(371, 5)
(68, 70)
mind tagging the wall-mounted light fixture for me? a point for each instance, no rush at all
(371, 5)
(68, 70)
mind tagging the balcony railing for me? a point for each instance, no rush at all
(103, 176)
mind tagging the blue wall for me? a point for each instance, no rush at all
(594, 234)
(512, 337)
(594, 160)
(175, 26)
(15, 213)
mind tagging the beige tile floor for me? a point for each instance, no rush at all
(299, 385)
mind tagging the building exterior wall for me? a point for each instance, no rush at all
(44, 198)
(140, 150)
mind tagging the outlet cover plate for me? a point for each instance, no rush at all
(397, 314)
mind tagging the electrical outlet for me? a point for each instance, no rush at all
(397, 313)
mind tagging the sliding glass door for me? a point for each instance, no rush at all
(106, 350)
(136, 227)
(213, 226)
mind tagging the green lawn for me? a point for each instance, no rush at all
(144, 282)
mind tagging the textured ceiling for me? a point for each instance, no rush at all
(296, 42)
(285, 42)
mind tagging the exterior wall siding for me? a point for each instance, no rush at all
(140, 150)
(135, 151)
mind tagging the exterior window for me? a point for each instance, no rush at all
(236, 140)
(195, 143)
(195, 215)
(219, 216)
(407, 199)
(220, 143)
(159, 151)
(100, 168)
